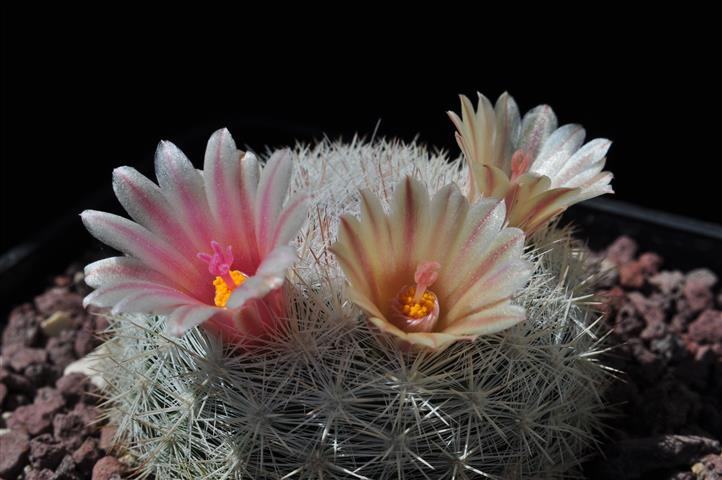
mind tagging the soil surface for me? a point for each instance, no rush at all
(666, 338)
(665, 406)
(50, 426)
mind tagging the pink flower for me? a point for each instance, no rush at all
(205, 246)
(433, 271)
(538, 169)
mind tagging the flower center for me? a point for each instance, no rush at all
(226, 280)
(416, 309)
(413, 308)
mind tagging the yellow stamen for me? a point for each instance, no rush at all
(419, 309)
(223, 293)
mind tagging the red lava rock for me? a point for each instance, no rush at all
(69, 429)
(58, 298)
(67, 470)
(61, 349)
(88, 413)
(698, 289)
(14, 447)
(622, 250)
(24, 357)
(631, 275)
(46, 452)
(107, 468)
(23, 327)
(627, 321)
(650, 262)
(107, 435)
(15, 383)
(37, 417)
(73, 386)
(44, 474)
(707, 328)
(87, 454)
(84, 343)
(669, 283)
(62, 280)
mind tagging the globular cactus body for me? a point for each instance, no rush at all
(326, 397)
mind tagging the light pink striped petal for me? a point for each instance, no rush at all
(557, 149)
(597, 185)
(467, 246)
(159, 299)
(490, 321)
(188, 316)
(430, 340)
(449, 211)
(272, 191)
(135, 240)
(118, 269)
(490, 181)
(468, 287)
(533, 213)
(409, 217)
(183, 187)
(290, 221)
(145, 203)
(270, 276)
(536, 126)
(587, 162)
(508, 130)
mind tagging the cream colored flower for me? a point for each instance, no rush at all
(433, 271)
(537, 168)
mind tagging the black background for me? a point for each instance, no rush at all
(84, 92)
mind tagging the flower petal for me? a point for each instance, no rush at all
(188, 316)
(182, 185)
(145, 203)
(557, 149)
(536, 126)
(118, 269)
(290, 221)
(508, 129)
(587, 162)
(135, 240)
(272, 191)
(269, 276)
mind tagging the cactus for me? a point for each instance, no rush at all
(325, 397)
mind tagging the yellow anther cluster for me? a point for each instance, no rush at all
(416, 310)
(223, 293)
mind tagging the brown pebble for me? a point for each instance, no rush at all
(14, 447)
(23, 327)
(108, 468)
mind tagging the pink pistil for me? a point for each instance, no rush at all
(426, 274)
(220, 263)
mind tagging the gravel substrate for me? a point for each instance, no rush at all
(50, 427)
(665, 414)
(667, 345)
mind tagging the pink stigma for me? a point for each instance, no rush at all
(425, 275)
(220, 262)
